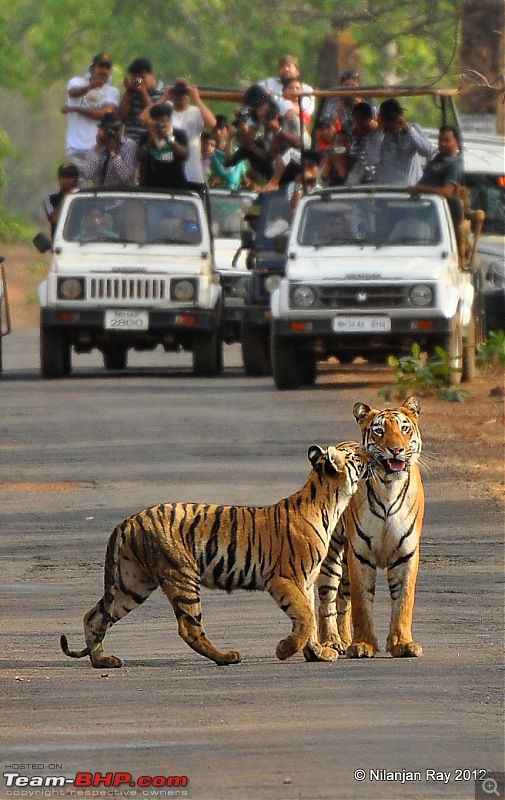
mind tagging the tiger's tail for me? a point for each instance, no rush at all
(73, 653)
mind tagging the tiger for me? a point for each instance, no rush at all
(183, 546)
(380, 528)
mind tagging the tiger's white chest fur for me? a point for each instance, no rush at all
(382, 506)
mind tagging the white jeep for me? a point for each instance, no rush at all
(130, 269)
(370, 271)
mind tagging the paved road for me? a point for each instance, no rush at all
(79, 455)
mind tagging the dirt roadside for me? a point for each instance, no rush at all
(468, 437)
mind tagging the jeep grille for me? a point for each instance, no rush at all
(124, 289)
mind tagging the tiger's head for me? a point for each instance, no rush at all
(391, 436)
(346, 464)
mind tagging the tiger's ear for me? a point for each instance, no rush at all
(314, 454)
(335, 460)
(360, 411)
(412, 404)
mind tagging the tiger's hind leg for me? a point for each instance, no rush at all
(183, 593)
(127, 585)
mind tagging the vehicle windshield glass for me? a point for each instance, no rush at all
(376, 221)
(274, 219)
(488, 193)
(141, 220)
(227, 212)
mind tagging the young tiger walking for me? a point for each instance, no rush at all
(183, 546)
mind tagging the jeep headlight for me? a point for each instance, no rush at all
(421, 296)
(303, 296)
(271, 283)
(241, 285)
(71, 288)
(183, 290)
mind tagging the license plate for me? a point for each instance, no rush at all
(125, 319)
(361, 324)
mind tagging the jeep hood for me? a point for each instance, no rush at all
(372, 265)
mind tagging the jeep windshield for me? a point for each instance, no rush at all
(369, 221)
(227, 212)
(140, 220)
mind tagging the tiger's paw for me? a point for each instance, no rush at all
(406, 650)
(361, 650)
(336, 644)
(318, 652)
(230, 657)
(107, 662)
(285, 649)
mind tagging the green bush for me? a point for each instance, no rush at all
(490, 354)
(422, 375)
(14, 229)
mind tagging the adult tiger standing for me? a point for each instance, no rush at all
(381, 528)
(182, 546)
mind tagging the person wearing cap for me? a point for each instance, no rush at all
(89, 98)
(287, 68)
(399, 163)
(113, 161)
(142, 90)
(163, 151)
(68, 180)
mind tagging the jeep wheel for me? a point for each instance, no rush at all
(206, 355)
(453, 345)
(468, 375)
(285, 363)
(255, 350)
(115, 359)
(54, 353)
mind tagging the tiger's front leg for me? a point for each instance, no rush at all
(313, 650)
(333, 614)
(402, 586)
(362, 577)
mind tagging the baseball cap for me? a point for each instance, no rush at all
(70, 170)
(390, 108)
(110, 120)
(101, 60)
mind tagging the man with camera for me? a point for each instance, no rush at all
(113, 161)
(142, 90)
(403, 142)
(163, 151)
(89, 98)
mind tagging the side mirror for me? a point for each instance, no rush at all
(42, 242)
(247, 239)
(280, 243)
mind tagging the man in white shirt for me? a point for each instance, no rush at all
(89, 98)
(190, 114)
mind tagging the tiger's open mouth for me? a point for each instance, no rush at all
(394, 465)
